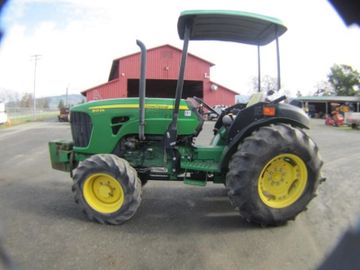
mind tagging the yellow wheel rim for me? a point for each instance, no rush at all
(282, 181)
(103, 193)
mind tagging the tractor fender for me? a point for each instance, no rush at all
(286, 114)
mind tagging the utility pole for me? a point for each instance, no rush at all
(36, 58)
(66, 99)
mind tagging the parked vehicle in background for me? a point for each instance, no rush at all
(219, 109)
(336, 118)
(64, 115)
(352, 119)
(3, 114)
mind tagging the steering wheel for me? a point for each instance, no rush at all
(201, 102)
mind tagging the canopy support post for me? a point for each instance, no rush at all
(259, 69)
(278, 58)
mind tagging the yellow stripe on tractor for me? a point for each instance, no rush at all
(136, 106)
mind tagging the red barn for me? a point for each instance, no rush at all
(161, 76)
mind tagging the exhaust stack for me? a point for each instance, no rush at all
(142, 91)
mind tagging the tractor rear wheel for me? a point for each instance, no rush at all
(107, 189)
(274, 174)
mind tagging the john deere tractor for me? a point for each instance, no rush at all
(268, 164)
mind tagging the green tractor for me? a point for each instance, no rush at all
(269, 166)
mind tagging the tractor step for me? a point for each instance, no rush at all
(195, 182)
(200, 165)
(158, 173)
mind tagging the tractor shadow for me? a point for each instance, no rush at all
(166, 207)
(181, 208)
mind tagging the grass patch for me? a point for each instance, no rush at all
(29, 118)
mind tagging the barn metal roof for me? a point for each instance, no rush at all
(166, 46)
(329, 98)
(226, 25)
(115, 64)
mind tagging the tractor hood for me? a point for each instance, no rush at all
(112, 119)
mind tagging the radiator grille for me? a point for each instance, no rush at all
(81, 128)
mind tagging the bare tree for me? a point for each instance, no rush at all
(26, 100)
(7, 95)
(324, 88)
(43, 102)
(268, 83)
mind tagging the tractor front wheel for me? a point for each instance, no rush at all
(274, 174)
(107, 189)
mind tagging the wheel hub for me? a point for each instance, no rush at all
(282, 181)
(103, 193)
(106, 192)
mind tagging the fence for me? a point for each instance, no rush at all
(18, 115)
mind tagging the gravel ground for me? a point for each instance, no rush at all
(177, 226)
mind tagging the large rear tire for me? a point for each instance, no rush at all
(274, 174)
(107, 189)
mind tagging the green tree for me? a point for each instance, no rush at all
(61, 104)
(345, 80)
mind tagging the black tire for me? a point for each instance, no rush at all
(122, 177)
(250, 164)
(143, 180)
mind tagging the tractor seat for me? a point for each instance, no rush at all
(255, 98)
(229, 118)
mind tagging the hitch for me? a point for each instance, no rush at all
(60, 155)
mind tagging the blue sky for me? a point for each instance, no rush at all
(33, 14)
(78, 40)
